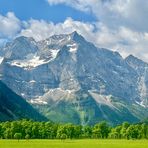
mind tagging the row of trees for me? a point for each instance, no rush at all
(28, 129)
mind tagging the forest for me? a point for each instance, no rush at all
(28, 129)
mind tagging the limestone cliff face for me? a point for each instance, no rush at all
(70, 80)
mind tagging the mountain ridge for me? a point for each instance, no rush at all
(13, 107)
(66, 70)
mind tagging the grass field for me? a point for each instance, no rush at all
(74, 144)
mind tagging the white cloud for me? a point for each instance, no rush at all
(121, 25)
(129, 13)
(123, 40)
(114, 13)
(40, 30)
(10, 25)
(82, 5)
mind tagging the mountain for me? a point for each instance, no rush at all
(13, 107)
(141, 69)
(68, 79)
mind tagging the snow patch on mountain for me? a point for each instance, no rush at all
(73, 47)
(141, 104)
(28, 63)
(22, 94)
(54, 53)
(1, 59)
(38, 101)
(32, 61)
(32, 81)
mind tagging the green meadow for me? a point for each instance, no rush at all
(74, 144)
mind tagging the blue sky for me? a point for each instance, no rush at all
(40, 9)
(119, 25)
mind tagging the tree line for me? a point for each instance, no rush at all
(28, 129)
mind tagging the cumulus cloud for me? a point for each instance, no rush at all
(123, 40)
(121, 25)
(129, 13)
(40, 29)
(82, 5)
(113, 13)
(10, 25)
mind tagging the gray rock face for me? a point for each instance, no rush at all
(141, 69)
(66, 70)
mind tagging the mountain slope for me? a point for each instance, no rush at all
(13, 107)
(92, 84)
(141, 69)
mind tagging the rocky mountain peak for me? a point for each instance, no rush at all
(135, 62)
(67, 76)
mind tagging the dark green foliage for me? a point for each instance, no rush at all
(27, 129)
(17, 136)
(27, 137)
(14, 107)
(63, 136)
(101, 130)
